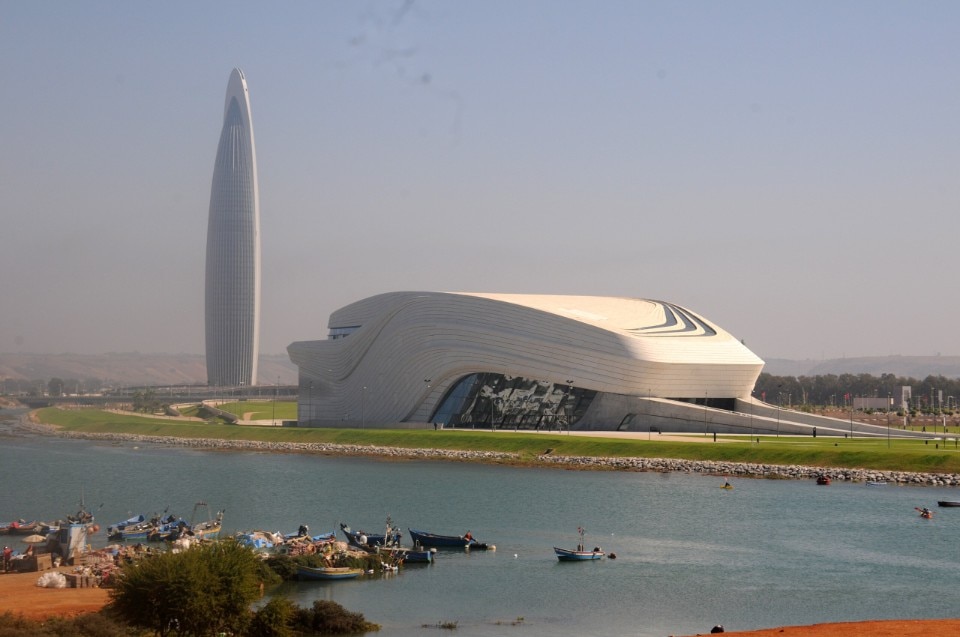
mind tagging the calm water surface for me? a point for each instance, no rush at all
(689, 554)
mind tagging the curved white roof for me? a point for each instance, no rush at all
(402, 350)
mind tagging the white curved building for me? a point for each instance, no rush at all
(232, 304)
(517, 361)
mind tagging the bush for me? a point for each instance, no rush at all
(89, 625)
(275, 619)
(205, 590)
(330, 618)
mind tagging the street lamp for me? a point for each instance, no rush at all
(572, 405)
(276, 396)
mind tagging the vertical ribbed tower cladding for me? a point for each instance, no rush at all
(233, 248)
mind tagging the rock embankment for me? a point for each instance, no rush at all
(752, 470)
(706, 467)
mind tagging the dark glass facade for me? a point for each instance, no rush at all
(498, 401)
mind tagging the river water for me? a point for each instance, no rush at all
(689, 554)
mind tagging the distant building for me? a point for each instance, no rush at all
(526, 361)
(232, 306)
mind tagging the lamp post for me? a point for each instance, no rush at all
(276, 396)
(572, 405)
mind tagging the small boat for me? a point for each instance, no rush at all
(119, 526)
(823, 479)
(925, 513)
(22, 527)
(580, 554)
(363, 539)
(467, 541)
(948, 503)
(876, 483)
(406, 555)
(209, 528)
(726, 485)
(327, 572)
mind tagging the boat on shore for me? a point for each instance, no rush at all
(327, 572)
(467, 541)
(580, 554)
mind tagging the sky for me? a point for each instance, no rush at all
(788, 170)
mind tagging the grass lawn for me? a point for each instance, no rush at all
(900, 455)
(262, 409)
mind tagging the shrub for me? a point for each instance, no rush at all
(330, 618)
(205, 590)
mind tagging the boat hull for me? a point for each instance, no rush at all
(444, 541)
(327, 573)
(368, 540)
(566, 555)
(948, 503)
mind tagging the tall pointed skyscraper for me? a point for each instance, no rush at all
(233, 248)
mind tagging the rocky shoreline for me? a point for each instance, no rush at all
(706, 467)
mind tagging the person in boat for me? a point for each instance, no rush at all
(726, 484)
(468, 536)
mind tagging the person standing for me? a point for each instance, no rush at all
(7, 555)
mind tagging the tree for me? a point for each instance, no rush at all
(203, 591)
(55, 386)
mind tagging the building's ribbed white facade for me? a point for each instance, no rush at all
(233, 248)
(509, 360)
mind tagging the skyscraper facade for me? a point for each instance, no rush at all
(232, 307)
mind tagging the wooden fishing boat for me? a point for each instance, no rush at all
(580, 554)
(406, 555)
(566, 555)
(22, 527)
(363, 539)
(119, 526)
(423, 538)
(209, 528)
(948, 503)
(327, 572)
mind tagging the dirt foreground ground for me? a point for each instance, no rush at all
(20, 594)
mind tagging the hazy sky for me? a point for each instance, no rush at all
(789, 170)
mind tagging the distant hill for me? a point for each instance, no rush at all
(910, 366)
(133, 368)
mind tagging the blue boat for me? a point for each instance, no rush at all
(363, 539)
(119, 526)
(327, 572)
(423, 538)
(580, 554)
